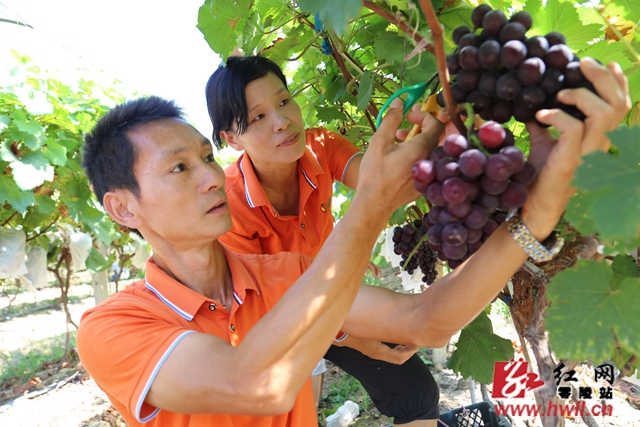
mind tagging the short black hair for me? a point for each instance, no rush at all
(108, 154)
(226, 100)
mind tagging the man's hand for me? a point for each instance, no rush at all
(557, 160)
(385, 172)
(379, 351)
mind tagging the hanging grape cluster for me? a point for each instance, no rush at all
(504, 74)
(405, 239)
(471, 189)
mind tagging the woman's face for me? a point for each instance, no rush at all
(276, 132)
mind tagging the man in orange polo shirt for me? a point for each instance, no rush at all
(216, 338)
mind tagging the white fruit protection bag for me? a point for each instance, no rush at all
(12, 252)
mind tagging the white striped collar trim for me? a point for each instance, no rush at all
(307, 178)
(152, 377)
(174, 307)
(246, 187)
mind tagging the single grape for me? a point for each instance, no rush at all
(479, 101)
(490, 227)
(508, 86)
(513, 53)
(516, 155)
(512, 31)
(454, 263)
(421, 187)
(474, 189)
(469, 40)
(572, 74)
(447, 217)
(437, 154)
(487, 83)
(493, 22)
(459, 94)
(531, 71)
(489, 54)
(477, 16)
(474, 235)
(434, 214)
(434, 247)
(514, 195)
(555, 38)
(454, 252)
(500, 217)
(455, 190)
(459, 32)
(523, 113)
(532, 96)
(455, 144)
(435, 234)
(477, 217)
(537, 46)
(559, 56)
(434, 194)
(473, 247)
(499, 167)
(460, 210)
(472, 162)
(447, 168)
(407, 238)
(523, 18)
(491, 134)
(501, 111)
(491, 186)
(526, 175)
(454, 234)
(453, 64)
(423, 171)
(468, 79)
(490, 202)
(407, 229)
(468, 58)
(552, 80)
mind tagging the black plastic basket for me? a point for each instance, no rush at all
(476, 415)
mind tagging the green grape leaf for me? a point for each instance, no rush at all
(477, 349)
(4, 122)
(578, 210)
(623, 266)
(607, 52)
(561, 16)
(55, 153)
(96, 262)
(628, 9)
(616, 212)
(279, 52)
(218, 20)
(335, 14)
(9, 192)
(45, 204)
(32, 170)
(398, 216)
(28, 139)
(634, 88)
(5, 152)
(364, 90)
(34, 219)
(329, 114)
(26, 125)
(586, 311)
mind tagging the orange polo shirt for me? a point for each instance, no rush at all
(124, 341)
(257, 226)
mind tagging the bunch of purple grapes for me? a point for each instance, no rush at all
(471, 189)
(503, 73)
(405, 239)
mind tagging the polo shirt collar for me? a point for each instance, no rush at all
(253, 191)
(185, 301)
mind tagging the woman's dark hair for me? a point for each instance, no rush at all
(226, 100)
(108, 155)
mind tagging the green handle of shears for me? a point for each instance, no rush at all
(415, 93)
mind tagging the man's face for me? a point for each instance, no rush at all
(182, 198)
(276, 131)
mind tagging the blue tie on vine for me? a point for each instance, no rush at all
(326, 44)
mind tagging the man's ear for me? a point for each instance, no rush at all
(231, 139)
(120, 205)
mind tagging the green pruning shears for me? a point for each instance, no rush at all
(415, 92)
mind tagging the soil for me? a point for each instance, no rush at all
(74, 399)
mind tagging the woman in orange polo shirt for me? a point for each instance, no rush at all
(280, 192)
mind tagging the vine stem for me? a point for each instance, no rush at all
(9, 219)
(436, 28)
(386, 14)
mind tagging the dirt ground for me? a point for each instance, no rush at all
(73, 398)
